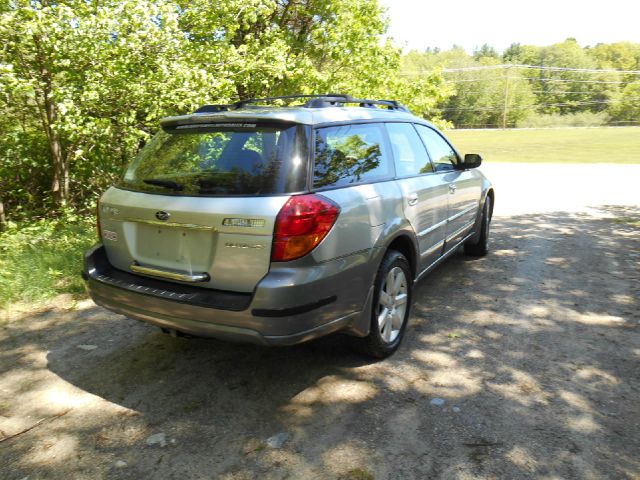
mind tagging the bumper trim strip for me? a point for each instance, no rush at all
(286, 312)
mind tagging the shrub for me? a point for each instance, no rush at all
(580, 119)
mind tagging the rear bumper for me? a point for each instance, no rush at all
(289, 305)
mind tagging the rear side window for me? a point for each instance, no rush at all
(409, 154)
(210, 160)
(444, 158)
(350, 154)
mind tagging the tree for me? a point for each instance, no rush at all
(485, 51)
(280, 47)
(567, 91)
(83, 83)
(619, 55)
(627, 108)
(481, 97)
(94, 77)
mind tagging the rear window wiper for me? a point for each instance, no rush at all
(163, 183)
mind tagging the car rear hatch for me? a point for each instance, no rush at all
(198, 205)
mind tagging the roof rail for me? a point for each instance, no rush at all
(336, 100)
(313, 101)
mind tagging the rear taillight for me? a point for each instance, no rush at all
(98, 220)
(301, 225)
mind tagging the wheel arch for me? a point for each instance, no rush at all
(403, 243)
(491, 194)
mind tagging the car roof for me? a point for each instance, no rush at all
(300, 115)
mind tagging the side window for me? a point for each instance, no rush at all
(441, 153)
(409, 153)
(350, 154)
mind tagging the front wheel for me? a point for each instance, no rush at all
(393, 293)
(481, 248)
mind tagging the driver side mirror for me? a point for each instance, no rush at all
(471, 160)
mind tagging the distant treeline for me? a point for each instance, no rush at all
(560, 84)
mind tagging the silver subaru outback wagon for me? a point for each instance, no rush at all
(277, 225)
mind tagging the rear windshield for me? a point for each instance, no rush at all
(211, 160)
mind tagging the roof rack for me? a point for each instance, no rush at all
(313, 101)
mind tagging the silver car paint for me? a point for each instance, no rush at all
(343, 266)
(195, 239)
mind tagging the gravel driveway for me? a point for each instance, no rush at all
(525, 363)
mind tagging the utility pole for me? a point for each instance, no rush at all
(505, 105)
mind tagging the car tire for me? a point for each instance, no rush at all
(481, 247)
(392, 297)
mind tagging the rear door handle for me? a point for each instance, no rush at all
(412, 199)
(452, 188)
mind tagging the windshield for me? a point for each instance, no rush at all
(243, 159)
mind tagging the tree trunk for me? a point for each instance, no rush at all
(3, 218)
(60, 181)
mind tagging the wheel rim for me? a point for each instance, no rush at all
(392, 304)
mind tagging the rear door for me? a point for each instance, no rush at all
(199, 204)
(463, 187)
(425, 193)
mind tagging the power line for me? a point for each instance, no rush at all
(529, 107)
(548, 79)
(541, 67)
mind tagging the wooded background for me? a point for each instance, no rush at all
(83, 83)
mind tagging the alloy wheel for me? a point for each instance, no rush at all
(392, 304)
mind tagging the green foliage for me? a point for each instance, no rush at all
(627, 109)
(619, 55)
(508, 95)
(479, 96)
(570, 91)
(485, 51)
(43, 258)
(84, 83)
(578, 119)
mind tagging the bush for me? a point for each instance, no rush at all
(43, 258)
(580, 119)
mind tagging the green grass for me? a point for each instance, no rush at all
(43, 258)
(561, 145)
(633, 222)
(357, 474)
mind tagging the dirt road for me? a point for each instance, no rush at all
(522, 364)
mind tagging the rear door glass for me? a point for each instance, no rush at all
(351, 154)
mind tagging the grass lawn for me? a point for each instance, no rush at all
(561, 145)
(43, 258)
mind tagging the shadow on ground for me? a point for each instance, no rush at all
(534, 350)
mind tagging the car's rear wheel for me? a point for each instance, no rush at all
(481, 248)
(393, 293)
